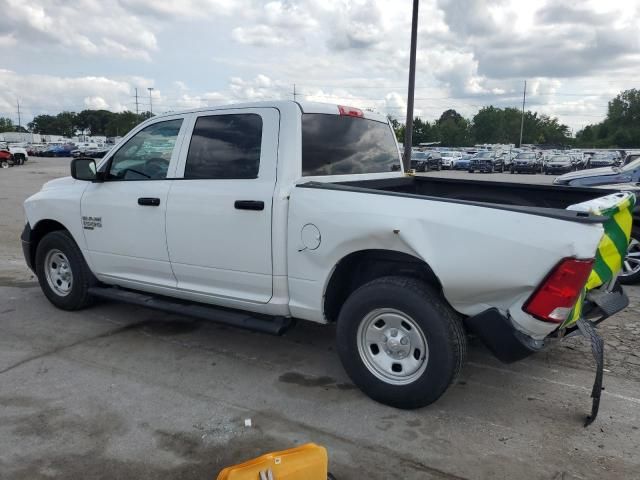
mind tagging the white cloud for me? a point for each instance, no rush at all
(259, 35)
(203, 52)
(90, 27)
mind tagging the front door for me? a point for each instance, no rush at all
(124, 216)
(219, 214)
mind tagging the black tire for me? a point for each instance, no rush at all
(78, 296)
(4, 164)
(440, 324)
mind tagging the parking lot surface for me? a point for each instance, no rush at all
(118, 391)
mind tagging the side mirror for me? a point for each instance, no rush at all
(84, 169)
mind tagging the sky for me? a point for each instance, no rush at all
(72, 55)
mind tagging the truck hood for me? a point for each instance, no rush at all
(58, 183)
(592, 172)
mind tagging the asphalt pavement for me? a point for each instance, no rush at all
(117, 391)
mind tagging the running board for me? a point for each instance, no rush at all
(234, 318)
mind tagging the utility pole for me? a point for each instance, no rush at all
(150, 101)
(524, 97)
(19, 118)
(294, 92)
(137, 101)
(408, 129)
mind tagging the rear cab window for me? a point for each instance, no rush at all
(344, 145)
(225, 146)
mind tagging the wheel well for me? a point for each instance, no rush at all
(39, 231)
(361, 267)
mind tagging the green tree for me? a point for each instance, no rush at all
(453, 130)
(6, 125)
(621, 126)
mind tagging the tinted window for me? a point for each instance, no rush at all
(225, 147)
(147, 154)
(340, 145)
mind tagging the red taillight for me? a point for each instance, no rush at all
(350, 111)
(556, 296)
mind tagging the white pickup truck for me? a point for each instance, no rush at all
(259, 214)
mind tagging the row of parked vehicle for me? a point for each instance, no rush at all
(550, 162)
(93, 150)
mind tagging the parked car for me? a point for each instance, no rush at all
(526, 162)
(629, 173)
(558, 164)
(507, 159)
(602, 160)
(462, 163)
(423, 161)
(449, 158)
(6, 159)
(20, 154)
(486, 161)
(240, 239)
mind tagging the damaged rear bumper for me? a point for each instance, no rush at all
(508, 344)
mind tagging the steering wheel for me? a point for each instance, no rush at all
(156, 167)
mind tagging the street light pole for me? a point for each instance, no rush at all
(524, 97)
(408, 129)
(150, 101)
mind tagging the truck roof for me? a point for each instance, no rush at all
(305, 107)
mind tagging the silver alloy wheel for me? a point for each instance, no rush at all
(58, 272)
(392, 346)
(631, 263)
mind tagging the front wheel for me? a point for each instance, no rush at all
(400, 342)
(62, 272)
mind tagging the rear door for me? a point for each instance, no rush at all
(219, 213)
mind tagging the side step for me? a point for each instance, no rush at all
(234, 318)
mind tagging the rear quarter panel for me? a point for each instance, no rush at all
(484, 257)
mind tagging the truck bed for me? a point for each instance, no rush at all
(543, 200)
(501, 193)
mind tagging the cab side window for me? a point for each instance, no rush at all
(147, 154)
(225, 147)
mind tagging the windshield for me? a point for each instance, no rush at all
(419, 155)
(342, 145)
(484, 155)
(560, 159)
(526, 156)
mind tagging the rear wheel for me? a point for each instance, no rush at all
(62, 272)
(4, 164)
(400, 342)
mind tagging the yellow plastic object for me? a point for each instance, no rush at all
(306, 462)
